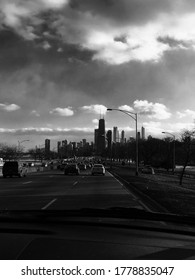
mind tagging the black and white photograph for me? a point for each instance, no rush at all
(97, 130)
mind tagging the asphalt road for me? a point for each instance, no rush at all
(54, 191)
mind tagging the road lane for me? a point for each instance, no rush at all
(53, 190)
(97, 192)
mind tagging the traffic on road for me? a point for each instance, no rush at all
(64, 189)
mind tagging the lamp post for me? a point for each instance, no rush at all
(173, 166)
(134, 117)
(19, 142)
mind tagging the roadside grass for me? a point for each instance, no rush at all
(163, 189)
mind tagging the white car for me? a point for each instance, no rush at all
(98, 169)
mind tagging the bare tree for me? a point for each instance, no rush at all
(8, 152)
(187, 139)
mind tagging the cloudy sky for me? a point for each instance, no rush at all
(63, 62)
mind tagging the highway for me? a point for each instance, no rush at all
(52, 190)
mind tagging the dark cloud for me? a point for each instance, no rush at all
(121, 38)
(172, 42)
(14, 51)
(124, 11)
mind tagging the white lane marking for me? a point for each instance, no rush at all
(75, 183)
(129, 192)
(26, 182)
(50, 203)
(51, 176)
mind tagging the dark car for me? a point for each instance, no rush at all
(148, 170)
(14, 168)
(72, 169)
(82, 166)
(62, 166)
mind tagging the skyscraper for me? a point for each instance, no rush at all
(115, 134)
(59, 147)
(143, 133)
(96, 139)
(122, 137)
(109, 140)
(84, 142)
(47, 147)
(101, 137)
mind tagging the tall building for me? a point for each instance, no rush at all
(122, 137)
(47, 147)
(115, 134)
(101, 141)
(64, 143)
(84, 142)
(95, 139)
(109, 140)
(59, 147)
(143, 133)
(74, 144)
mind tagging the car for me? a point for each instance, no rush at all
(62, 166)
(98, 169)
(71, 169)
(82, 166)
(148, 170)
(14, 168)
(88, 165)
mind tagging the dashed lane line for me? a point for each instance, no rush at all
(75, 183)
(26, 182)
(49, 204)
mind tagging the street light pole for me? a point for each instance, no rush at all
(137, 167)
(173, 166)
(135, 118)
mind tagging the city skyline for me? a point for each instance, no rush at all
(102, 138)
(64, 62)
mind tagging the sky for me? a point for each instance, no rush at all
(64, 62)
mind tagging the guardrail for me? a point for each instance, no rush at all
(33, 169)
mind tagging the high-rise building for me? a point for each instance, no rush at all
(95, 139)
(143, 133)
(84, 142)
(59, 147)
(64, 143)
(109, 141)
(74, 144)
(101, 137)
(115, 134)
(47, 147)
(122, 137)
